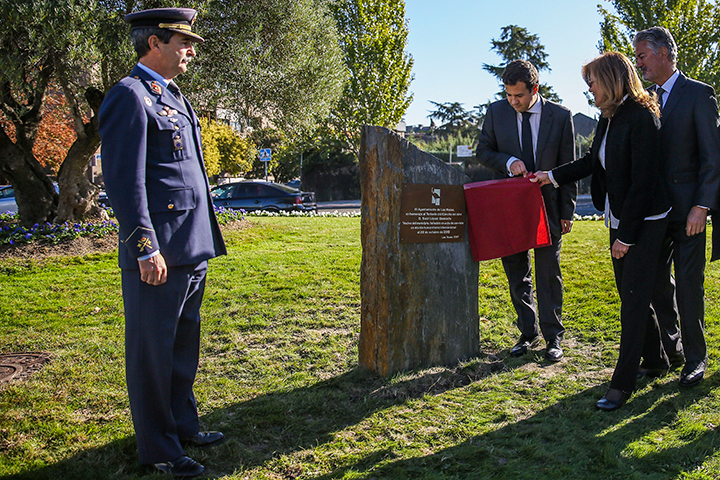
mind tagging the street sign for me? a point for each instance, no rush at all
(265, 154)
(464, 151)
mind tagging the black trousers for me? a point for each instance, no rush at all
(688, 255)
(162, 347)
(635, 280)
(548, 278)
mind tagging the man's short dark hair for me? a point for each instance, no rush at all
(140, 36)
(521, 71)
(656, 38)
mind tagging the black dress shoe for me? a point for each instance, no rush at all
(609, 405)
(691, 375)
(553, 351)
(181, 467)
(524, 344)
(203, 439)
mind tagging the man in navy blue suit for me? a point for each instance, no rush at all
(155, 179)
(690, 142)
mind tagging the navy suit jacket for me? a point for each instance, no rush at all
(690, 142)
(499, 141)
(155, 176)
(631, 178)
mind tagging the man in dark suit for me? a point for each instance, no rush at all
(155, 179)
(522, 134)
(691, 145)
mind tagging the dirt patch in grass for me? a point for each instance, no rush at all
(77, 247)
(80, 246)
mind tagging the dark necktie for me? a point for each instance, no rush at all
(660, 92)
(528, 157)
(172, 86)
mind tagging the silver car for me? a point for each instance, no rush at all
(7, 199)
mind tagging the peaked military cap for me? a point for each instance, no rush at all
(178, 20)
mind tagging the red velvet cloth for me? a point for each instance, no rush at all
(505, 217)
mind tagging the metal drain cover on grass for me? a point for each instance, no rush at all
(18, 366)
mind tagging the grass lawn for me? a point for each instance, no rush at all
(279, 376)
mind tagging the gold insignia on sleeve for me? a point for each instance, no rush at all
(144, 243)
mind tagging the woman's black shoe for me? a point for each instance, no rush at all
(609, 405)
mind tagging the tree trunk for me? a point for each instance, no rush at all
(78, 196)
(34, 192)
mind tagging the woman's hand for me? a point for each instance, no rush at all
(542, 178)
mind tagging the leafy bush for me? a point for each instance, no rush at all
(12, 233)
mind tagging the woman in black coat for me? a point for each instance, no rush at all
(626, 168)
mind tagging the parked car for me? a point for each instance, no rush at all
(259, 195)
(7, 199)
(103, 199)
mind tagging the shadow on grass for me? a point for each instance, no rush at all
(569, 439)
(269, 426)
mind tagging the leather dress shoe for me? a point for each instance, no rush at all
(524, 344)
(553, 351)
(181, 467)
(691, 375)
(203, 439)
(609, 405)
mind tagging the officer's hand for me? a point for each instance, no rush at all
(566, 226)
(696, 220)
(517, 168)
(153, 270)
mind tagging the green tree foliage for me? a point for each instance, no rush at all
(224, 151)
(455, 119)
(48, 42)
(516, 43)
(272, 62)
(373, 36)
(695, 25)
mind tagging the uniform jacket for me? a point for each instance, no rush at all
(633, 167)
(499, 140)
(155, 176)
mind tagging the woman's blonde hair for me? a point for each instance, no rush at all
(616, 77)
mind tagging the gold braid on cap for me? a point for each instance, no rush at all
(179, 26)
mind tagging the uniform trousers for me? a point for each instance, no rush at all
(162, 347)
(635, 280)
(548, 278)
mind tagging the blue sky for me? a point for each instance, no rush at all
(450, 40)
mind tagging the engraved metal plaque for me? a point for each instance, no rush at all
(432, 213)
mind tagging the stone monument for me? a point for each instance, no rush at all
(419, 290)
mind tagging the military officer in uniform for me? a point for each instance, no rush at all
(155, 179)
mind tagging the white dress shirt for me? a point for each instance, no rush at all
(536, 111)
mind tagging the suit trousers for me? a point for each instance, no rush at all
(688, 255)
(548, 278)
(162, 347)
(635, 280)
